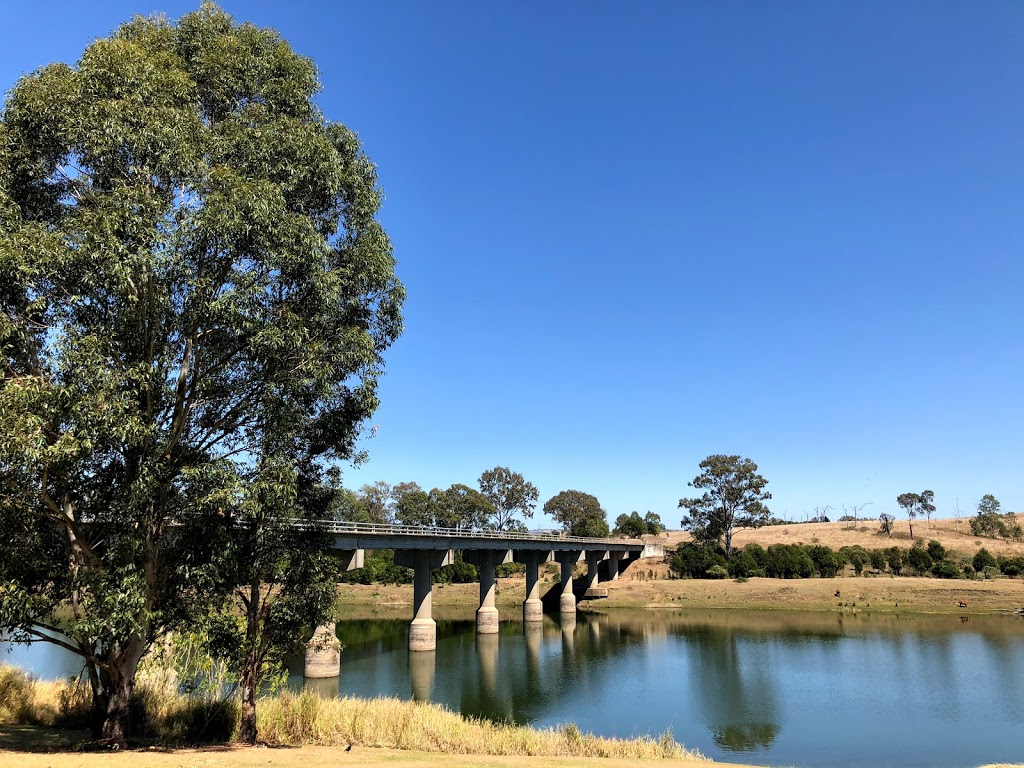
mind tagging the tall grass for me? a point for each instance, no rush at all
(310, 719)
(163, 714)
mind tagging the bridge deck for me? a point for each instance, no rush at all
(351, 536)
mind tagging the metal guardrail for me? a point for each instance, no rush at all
(384, 529)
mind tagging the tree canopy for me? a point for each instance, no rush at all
(634, 526)
(196, 297)
(580, 514)
(915, 504)
(510, 494)
(734, 496)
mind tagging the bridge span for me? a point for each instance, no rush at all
(424, 549)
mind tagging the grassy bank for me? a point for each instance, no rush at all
(306, 719)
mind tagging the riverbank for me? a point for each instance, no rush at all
(34, 748)
(892, 594)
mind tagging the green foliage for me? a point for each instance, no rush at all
(989, 522)
(879, 559)
(885, 523)
(734, 496)
(634, 526)
(827, 562)
(896, 559)
(991, 572)
(919, 559)
(717, 572)
(856, 556)
(936, 551)
(1011, 566)
(459, 572)
(196, 299)
(580, 514)
(509, 494)
(983, 559)
(692, 560)
(758, 553)
(946, 570)
(915, 504)
(788, 561)
(378, 568)
(744, 564)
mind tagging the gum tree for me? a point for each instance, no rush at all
(510, 494)
(195, 297)
(734, 496)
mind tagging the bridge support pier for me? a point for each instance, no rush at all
(614, 558)
(485, 560)
(594, 558)
(533, 609)
(323, 653)
(567, 600)
(423, 630)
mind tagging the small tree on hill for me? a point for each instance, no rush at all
(734, 496)
(885, 521)
(915, 504)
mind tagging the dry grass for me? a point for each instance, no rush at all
(308, 719)
(895, 594)
(396, 724)
(951, 534)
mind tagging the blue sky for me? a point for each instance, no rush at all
(635, 234)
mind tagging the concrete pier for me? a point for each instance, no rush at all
(323, 653)
(614, 558)
(485, 560)
(566, 598)
(533, 609)
(593, 561)
(423, 630)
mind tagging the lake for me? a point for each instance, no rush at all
(764, 687)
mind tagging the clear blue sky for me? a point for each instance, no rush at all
(635, 234)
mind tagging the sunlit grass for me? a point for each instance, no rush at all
(163, 714)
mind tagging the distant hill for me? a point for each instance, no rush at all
(952, 534)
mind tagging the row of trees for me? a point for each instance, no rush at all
(790, 561)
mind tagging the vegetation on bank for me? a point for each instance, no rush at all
(800, 561)
(163, 714)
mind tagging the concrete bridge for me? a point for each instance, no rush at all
(424, 549)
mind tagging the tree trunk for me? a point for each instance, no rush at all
(728, 544)
(247, 728)
(113, 689)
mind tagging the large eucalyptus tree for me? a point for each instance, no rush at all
(195, 296)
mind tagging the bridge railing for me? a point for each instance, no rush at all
(385, 529)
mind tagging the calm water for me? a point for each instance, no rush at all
(791, 689)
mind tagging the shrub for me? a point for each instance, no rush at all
(743, 565)
(991, 572)
(758, 553)
(969, 571)
(936, 551)
(946, 570)
(827, 561)
(878, 559)
(788, 561)
(692, 560)
(717, 572)
(919, 559)
(1011, 566)
(856, 556)
(506, 570)
(895, 557)
(983, 559)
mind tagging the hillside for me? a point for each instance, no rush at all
(952, 534)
